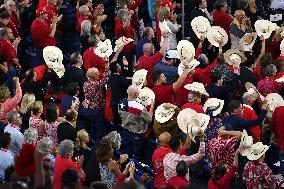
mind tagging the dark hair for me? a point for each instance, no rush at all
(75, 57)
(219, 171)
(182, 168)
(30, 74)
(250, 59)
(219, 4)
(69, 178)
(3, 32)
(51, 113)
(92, 40)
(98, 185)
(242, 4)
(146, 32)
(156, 76)
(5, 140)
(265, 60)
(175, 143)
(220, 58)
(2, 59)
(215, 77)
(83, 2)
(114, 67)
(72, 88)
(70, 115)
(233, 105)
(198, 2)
(279, 65)
(4, 13)
(97, 2)
(104, 151)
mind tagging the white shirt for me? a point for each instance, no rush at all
(6, 159)
(17, 138)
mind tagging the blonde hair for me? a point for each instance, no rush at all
(27, 102)
(91, 73)
(37, 107)
(3, 93)
(164, 13)
(81, 139)
(157, 5)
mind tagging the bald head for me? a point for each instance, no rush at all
(148, 48)
(164, 138)
(239, 15)
(132, 92)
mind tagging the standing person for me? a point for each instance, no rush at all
(148, 36)
(6, 155)
(66, 130)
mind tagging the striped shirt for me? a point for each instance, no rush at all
(172, 159)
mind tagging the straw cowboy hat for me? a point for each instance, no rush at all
(186, 50)
(146, 96)
(280, 31)
(214, 104)
(164, 27)
(234, 56)
(196, 87)
(245, 143)
(192, 65)
(215, 34)
(53, 58)
(265, 28)
(122, 41)
(190, 122)
(274, 100)
(200, 25)
(162, 114)
(104, 49)
(248, 40)
(139, 78)
(257, 151)
(252, 90)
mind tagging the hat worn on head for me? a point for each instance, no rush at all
(257, 151)
(53, 58)
(196, 87)
(172, 54)
(245, 143)
(248, 40)
(214, 104)
(200, 25)
(274, 100)
(234, 56)
(264, 28)
(104, 49)
(162, 114)
(186, 50)
(139, 78)
(192, 65)
(252, 90)
(146, 96)
(215, 34)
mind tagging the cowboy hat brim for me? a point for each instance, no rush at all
(216, 31)
(245, 45)
(230, 52)
(214, 102)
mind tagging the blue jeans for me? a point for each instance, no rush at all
(9, 82)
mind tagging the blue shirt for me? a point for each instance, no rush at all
(170, 71)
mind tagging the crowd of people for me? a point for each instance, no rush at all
(111, 95)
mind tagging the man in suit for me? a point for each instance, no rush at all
(73, 92)
(66, 130)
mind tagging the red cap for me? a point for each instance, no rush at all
(167, 3)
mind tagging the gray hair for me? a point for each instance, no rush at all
(121, 13)
(66, 147)
(202, 58)
(146, 31)
(191, 96)
(93, 40)
(83, 9)
(247, 97)
(146, 47)
(86, 27)
(270, 70)
(115, 139)
(11, 116)
(30, 136)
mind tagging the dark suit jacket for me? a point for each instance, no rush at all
(246, 75)
(66, 131)
(66, 103)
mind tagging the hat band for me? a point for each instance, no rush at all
(256, 154)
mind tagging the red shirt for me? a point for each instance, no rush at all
(203, 75)
(277, 126)
(163, 94)
(157, 161)
(249, 114)
(50, 10)
(134, 18)
(80, 20)
(223, 20)
(273, 48)
(128, 32)
(182, 93)
(280, 57)
(197, 107)
(40, 31)
(148, 62)
(13, 27)
(25, 164)
(91, 60)
(8, 51)
(225, 181)
(178, 182)
(62, 164)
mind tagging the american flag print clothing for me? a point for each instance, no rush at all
(257, 175)
(130, 106)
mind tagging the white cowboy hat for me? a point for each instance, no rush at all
(274, 100)
(192, 65)
(264, 27)
(139, 78)
(53, 58)
(196, 87)
(214, 104)
(162, 114)
(190, 122)
(146, 96)
(216, 33)
(200, 26)
(257, 151)
(164, 27)
(122, 41)
(172, 54)
(252, 90)
(245, 143)
(280, 80)
(104, 49)
(248, 40)
(186, 50)
(234, 56)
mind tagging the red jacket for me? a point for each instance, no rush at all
(225, 181)
(277, 126)
(249, 114)
(182, 93)
(91, 60)
(178, 182)
(121, 31)
(25, 164)
(223, 20)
